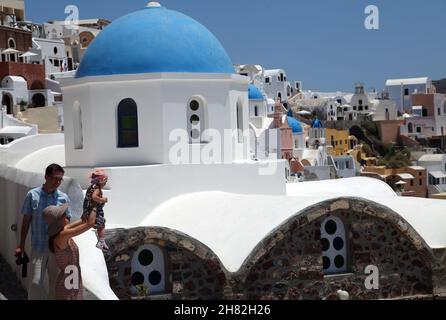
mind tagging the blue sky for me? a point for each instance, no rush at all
(322, 42)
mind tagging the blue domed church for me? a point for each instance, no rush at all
(150, 79)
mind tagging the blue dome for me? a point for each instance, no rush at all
(316, 124)
(152, 40)
(295, 125)
(254, 93)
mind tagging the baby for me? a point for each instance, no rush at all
(94, 200)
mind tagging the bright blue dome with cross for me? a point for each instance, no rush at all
(154, 40)
(254, 93)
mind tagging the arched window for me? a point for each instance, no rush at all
(334, 246)
(128, 124)
(196, 120)
(77, 126)
(148, 271)
(11, 43)
(256, 111)
(410, 127)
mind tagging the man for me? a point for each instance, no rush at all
(43, 267)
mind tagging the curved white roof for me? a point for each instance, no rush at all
(15, 78)
(40, 159)
(427, 216)
(361, 187)
(232, 225)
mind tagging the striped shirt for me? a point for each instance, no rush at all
(35, 202)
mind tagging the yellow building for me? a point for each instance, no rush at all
(340, 140)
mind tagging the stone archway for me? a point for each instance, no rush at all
(192, 270)
(288, 263)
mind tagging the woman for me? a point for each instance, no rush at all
(65, 249)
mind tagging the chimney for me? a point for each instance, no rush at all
(278, 113)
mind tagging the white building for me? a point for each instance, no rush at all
(272, 82)
(276, 85)
(12, 129)
(76, 39)
(52, 53)
(384, 110)
(345, 166)
(435, 164)
(427, 120)
(14, 91)
(400, 90)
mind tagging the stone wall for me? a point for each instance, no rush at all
(192, 270)
(292, 267)
(288, 263)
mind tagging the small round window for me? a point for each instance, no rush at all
(55, 50)
(194, 105)
(194, 119)
(148, 271)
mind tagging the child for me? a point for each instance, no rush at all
(94, 200)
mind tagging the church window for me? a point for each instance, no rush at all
(256, 111)
(334, 246)
(128, 124)
(77, 126)
(148, 271)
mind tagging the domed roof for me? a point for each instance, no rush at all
(154, 39)
(316, 124)
(295, 125)
(254, 93)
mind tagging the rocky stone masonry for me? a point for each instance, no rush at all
(287, 264)
(193, 271)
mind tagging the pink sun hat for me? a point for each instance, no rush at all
(98, 175)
